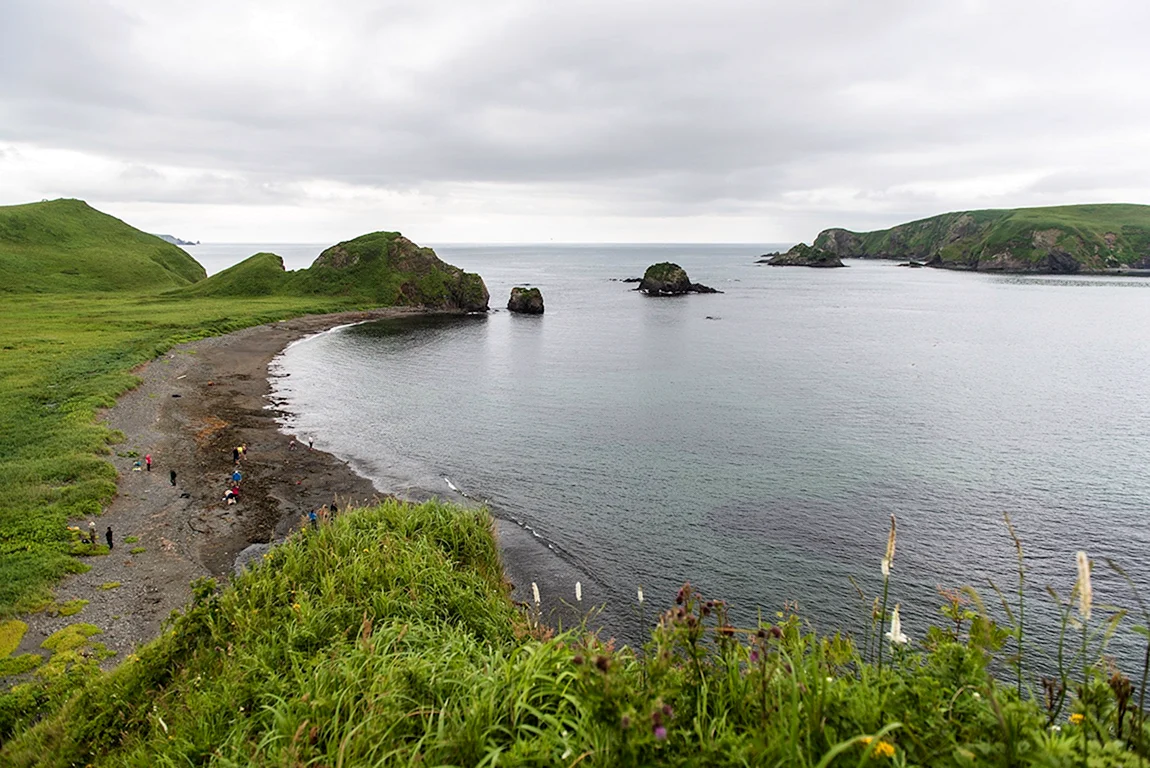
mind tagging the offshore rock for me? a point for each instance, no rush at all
(668, 279)
(529, 301)
(803, 255)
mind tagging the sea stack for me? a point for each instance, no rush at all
(668, 279)
(528, 301)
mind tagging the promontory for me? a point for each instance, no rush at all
(1099, 238)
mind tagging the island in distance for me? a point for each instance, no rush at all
(1111, 238)
(176, 241)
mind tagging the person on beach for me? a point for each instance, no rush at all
(291, 445)
(313, 519)
(236, 476)
(229, 497)
(309, 444)
(236, 455)
(148, 461)
(243, 450)
(172, 477)
(136, 466)
(92, 531)
(108, 536)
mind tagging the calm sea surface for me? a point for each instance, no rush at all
(756, 442)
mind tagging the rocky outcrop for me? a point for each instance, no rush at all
(388, 268)
(668, 279)
(528, 301)
(803, 255)
(1060, 240)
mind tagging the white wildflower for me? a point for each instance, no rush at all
(895, 635)
(535, 592)
(579, 591)
(1085, 591)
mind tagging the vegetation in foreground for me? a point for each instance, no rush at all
(1068, 238)
(385, 638)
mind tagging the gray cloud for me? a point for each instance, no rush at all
(645, 108)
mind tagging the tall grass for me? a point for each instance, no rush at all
(386, 637)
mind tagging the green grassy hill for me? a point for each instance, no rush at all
(1071, 238)
(376, 269)
(66, 246)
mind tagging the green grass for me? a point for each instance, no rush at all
(65, 246)
(131, 539)
(1098, 237)
(11, 633)
(69, 608)
(111, 585)
(137, 550)
(386, 638)
(377, 269)
(61, 359)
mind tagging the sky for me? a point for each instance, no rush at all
(554, 120)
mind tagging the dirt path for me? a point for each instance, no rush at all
(193, 406)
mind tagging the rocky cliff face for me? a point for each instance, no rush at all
(1064, 239)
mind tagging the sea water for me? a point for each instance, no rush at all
(756, 442)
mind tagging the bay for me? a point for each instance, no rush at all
(756, 442)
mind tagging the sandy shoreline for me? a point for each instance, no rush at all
(193, 406)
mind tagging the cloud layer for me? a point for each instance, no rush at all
(523, 120)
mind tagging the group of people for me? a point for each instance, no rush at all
(91, 537)
(232, 494)
(322, 515)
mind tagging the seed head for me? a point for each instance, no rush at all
(535, 592)
(579, 591)
(603, 663)
(640, 595)
(1085, 591)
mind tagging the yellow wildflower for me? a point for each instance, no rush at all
(884, 749)
(295, 606)
(1077, 718)
(866, 740)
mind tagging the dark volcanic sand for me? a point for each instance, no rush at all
(192, 407)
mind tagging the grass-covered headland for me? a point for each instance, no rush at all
(385, 637)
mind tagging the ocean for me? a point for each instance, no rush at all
(756, 442)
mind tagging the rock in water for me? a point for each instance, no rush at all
(529, 301)
(667, 279)
(803, 255)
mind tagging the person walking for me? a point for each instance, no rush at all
(236, 455)
(92, 531)
(148, 461)
(108, 536)
(236, 477)
(312, 518)
(172, 477)
(309, 443)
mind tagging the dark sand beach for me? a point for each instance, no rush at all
(193, 406)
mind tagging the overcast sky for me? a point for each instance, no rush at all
(539, 120)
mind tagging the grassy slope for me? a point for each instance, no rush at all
(376, 269)
(385, 638)
(61, 359)
(1083, 234)
(65, 246)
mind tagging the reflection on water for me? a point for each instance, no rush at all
(635, 441)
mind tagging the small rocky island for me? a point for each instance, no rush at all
(528, 301)
(668, 279)
(802, 255)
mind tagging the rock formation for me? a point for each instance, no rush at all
(802, 255)
(529, 301)
(668, 279)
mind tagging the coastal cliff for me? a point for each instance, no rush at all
(1062, 239)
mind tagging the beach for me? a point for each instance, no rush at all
(194, 405)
